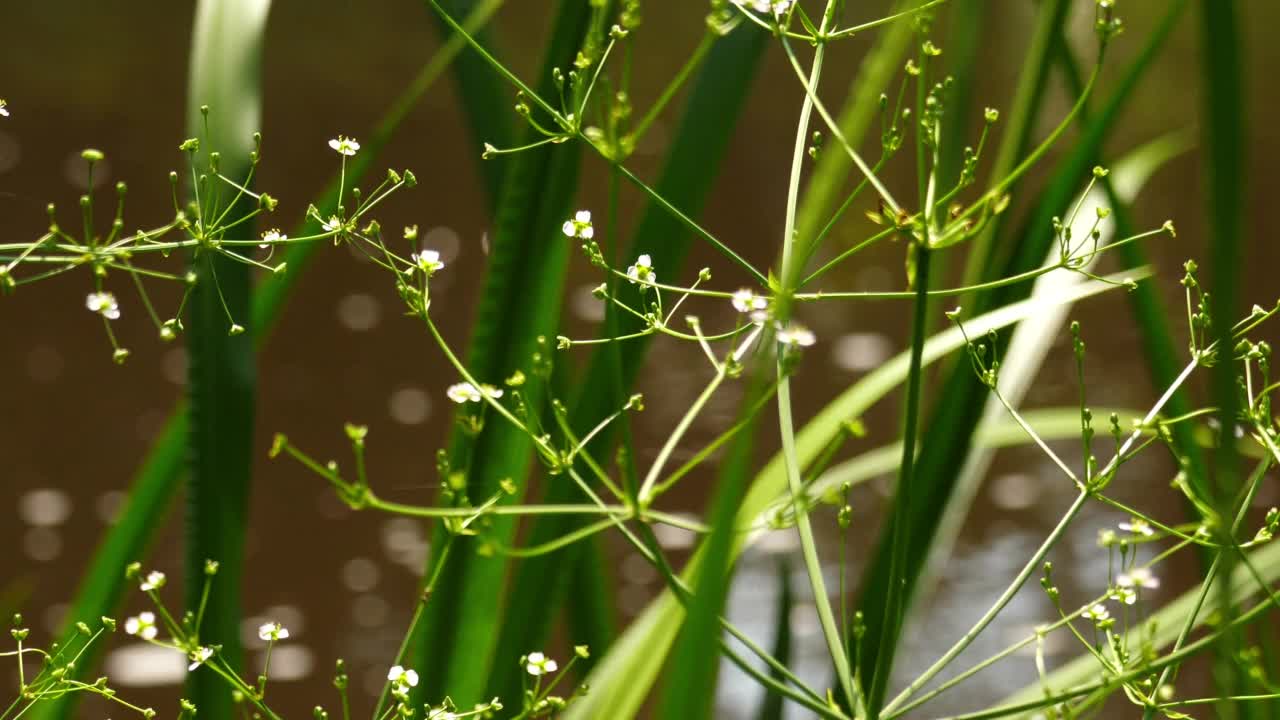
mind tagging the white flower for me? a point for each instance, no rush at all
(466, 392)
(441, 713)
(4, 109)
(144, 625)
(537, 664)
(580, 226)
(428, 261)
(777, 7)
(199, 657)
(1138, 526)
(463, 392)
(1097, 612)
(154, 581)
(272, 236)
(403, 677)
(756, 306)
(1138, 578)
(796, 336)
(103, 303)
(745, 301)
(642, 271)
(345, 145)
(272, 631)
(333, 224)
(1126, 595)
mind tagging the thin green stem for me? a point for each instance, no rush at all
(790, 275)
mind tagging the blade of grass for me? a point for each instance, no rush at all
(1049, 424)
(695, 663)
(1028, 99)
(621, 681)
(771, 707)
(520, 304)
(1031, 343)
(1152, 318)
(225, 73)
(897, 597)
(961, 400)
(693, 162)
(1160, 353)
(830, 172)
(967, 20)
(485, 105)
(1224, 140)
(151, 491)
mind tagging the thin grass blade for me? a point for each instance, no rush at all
(485, 104)
(772, 706)
(151, 492)
(693, 162)
(963, 397)
(695, 662)
(1031, 343)
(520, 304)
(225, 74)
(1224, 143)
(622, 681)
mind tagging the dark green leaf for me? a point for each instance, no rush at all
(771, 708)
(962, 398)
(693, 162)
(225, 76)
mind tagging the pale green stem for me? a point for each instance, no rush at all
(813, 567)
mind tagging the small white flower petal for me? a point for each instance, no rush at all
(344, 145)
(199, 657)
(103, 303)
(463, 392)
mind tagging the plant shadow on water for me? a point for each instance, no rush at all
(74, 427)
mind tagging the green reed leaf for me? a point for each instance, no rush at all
(1225, 171)
(520, 304)
(960, 401)
(695, 661)
(150, 495)
(693, 162)
(622, 680)
(225, 75)
(771, 707)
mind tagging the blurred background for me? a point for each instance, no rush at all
(74, 427)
